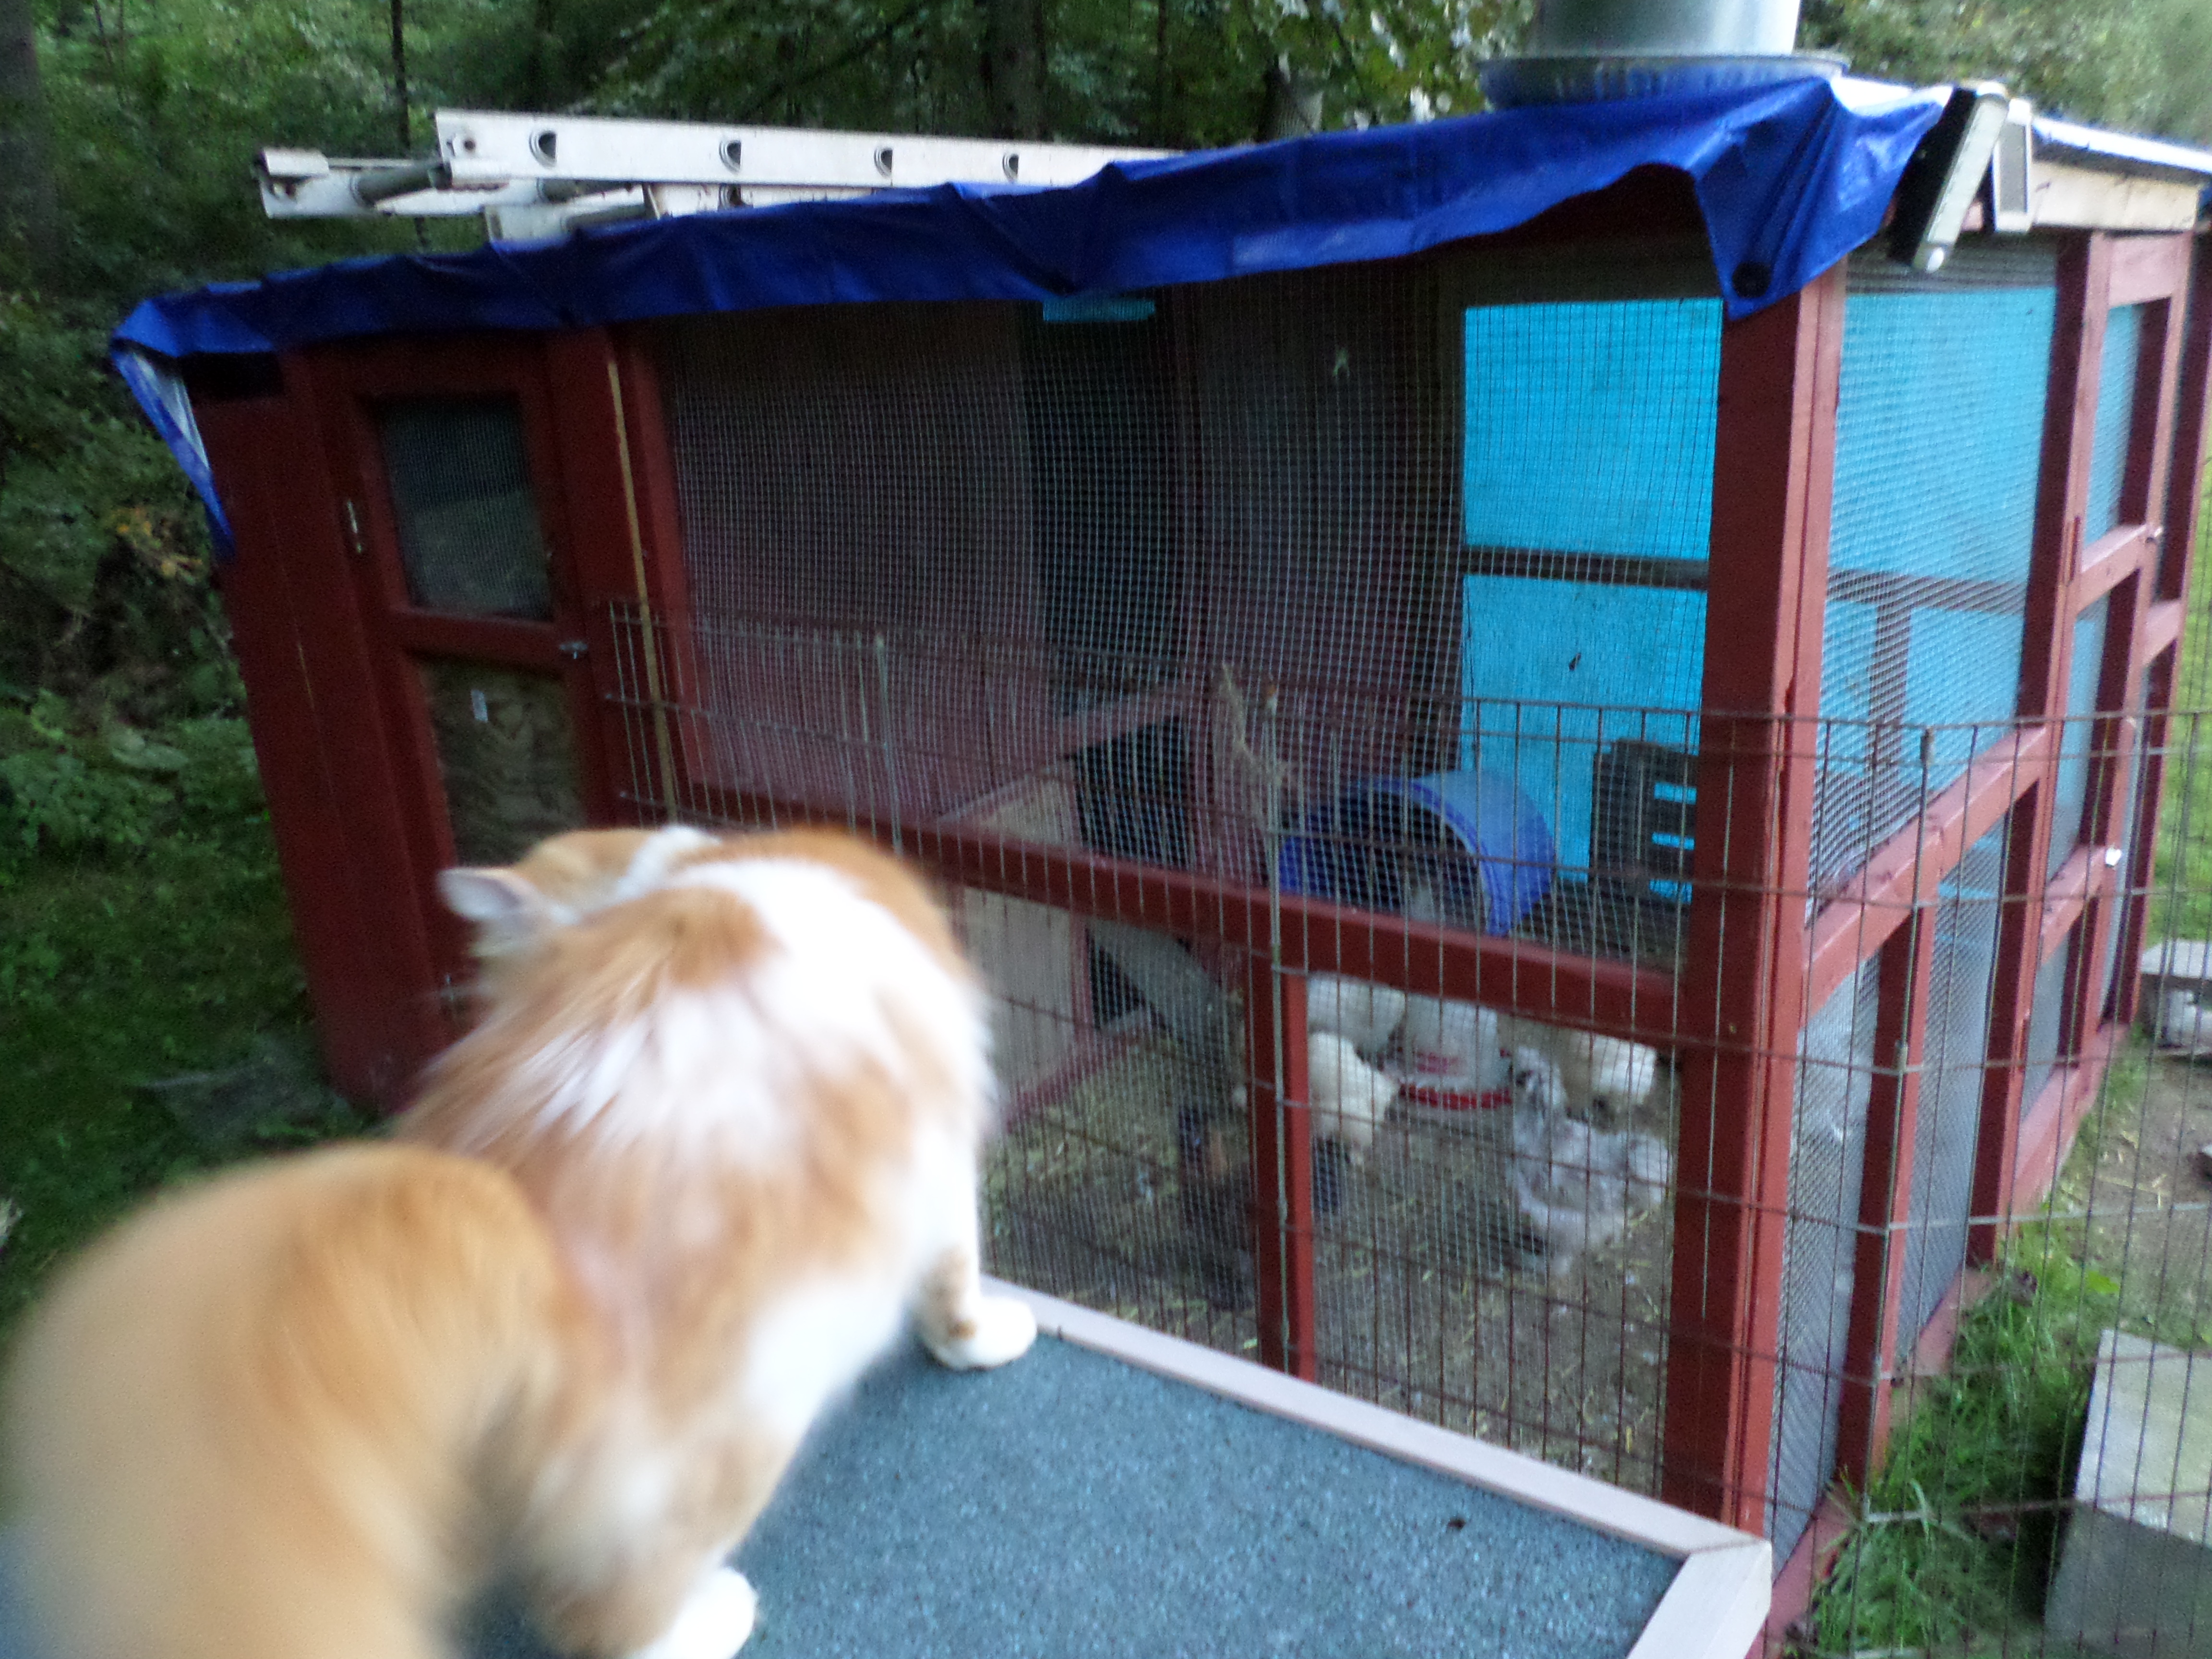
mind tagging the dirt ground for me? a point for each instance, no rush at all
(1426, 1304)
(2137, 1203)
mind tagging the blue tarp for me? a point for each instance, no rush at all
(1789, 178)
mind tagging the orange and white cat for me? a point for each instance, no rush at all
(715, 1134)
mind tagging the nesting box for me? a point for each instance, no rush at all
(1571, 560)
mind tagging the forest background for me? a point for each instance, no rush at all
(128, 129)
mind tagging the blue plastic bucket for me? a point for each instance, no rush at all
(1480, 844)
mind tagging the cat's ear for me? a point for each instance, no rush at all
(504, 908)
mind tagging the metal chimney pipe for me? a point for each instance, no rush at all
(1665, 28)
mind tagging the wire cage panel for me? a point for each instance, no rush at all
(1827, 1161)
(2078, 736)
(1589, 595)
(1931, 532)
(1953, 1065)
(1570, 635)
(2115, 420)
(470, 542)
(2046, 1023)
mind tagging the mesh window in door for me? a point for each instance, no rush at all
(467, 518)
(507, 755)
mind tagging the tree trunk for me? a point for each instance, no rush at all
(400, 122)
(1013, 66)
(27, 211)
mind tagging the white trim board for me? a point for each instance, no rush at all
(1714, 1609)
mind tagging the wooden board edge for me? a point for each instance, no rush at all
(2070, 197)
(1716, 1606)
(1627, 1515)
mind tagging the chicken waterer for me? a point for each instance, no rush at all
(1467, 847)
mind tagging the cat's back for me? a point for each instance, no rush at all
(241, 1423)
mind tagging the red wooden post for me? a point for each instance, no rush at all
(1282, 1169)
(2068, 435)
(2152, 271)
(365, 970)
(1900, 1033)
(2177, 504)
(1743, 1000)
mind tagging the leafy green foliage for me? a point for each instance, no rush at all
(143, 940)
(2138, 64)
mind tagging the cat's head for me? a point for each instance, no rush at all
(561, 881)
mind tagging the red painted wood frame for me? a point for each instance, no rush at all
(566, 391)
(1886, 907)
(327, 772)
(1743, 1001)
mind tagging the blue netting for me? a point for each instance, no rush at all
(1613, 406)
(2116, 411)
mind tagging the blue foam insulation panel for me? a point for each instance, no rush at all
(1071, 1505)
(1589, 429)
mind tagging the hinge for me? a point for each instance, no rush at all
(353, 528)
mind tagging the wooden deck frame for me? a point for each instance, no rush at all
(1713, 1610)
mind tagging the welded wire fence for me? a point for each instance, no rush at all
(1507, 1174)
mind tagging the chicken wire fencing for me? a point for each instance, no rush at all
(1488, 1212)
(1237, 655)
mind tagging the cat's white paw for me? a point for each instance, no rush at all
(999, 1330)
(713, 1624)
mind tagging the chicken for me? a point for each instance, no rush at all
(1454, 1044)
(1366, 1016)
(1348, 1097)
(1611, 1073)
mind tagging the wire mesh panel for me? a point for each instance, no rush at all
(1590, 593)
(2116, 409)
(1938, 429)
(2078, 735)
(2051, 1492)
(1227, 582)
(1827, 1159)
(1953, 1071)
(467, 518)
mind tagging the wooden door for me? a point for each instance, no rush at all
(477, 619)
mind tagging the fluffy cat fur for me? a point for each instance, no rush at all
(714, 1134)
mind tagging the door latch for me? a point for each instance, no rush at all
(574, 650)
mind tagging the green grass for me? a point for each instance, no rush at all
(1954, 1544)
(2181, 904)
(165, 950)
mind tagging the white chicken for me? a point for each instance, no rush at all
(1608, 1071)
(1348, 1097)
(1366, 1016)
(1454, 1044)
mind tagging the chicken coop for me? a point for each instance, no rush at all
(1542, 725)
